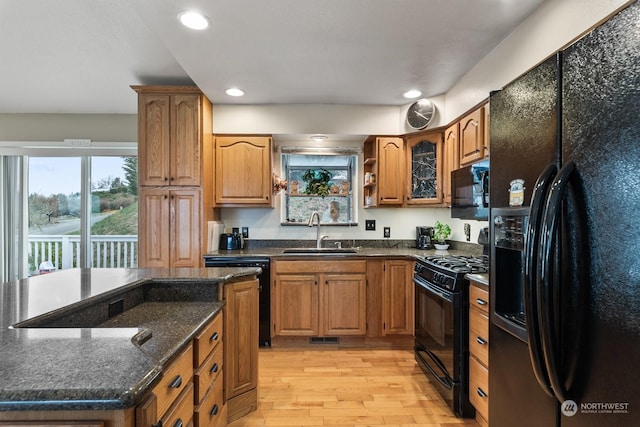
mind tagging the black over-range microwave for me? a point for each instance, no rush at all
(470, 192)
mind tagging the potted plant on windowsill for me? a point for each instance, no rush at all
(317, 182)
(440, 234)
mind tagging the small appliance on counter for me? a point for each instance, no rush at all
(424, 237)
(231, 241)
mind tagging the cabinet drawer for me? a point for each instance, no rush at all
(479, 387)
(181, 413)
(208, 373)
(210, 410)
(479, 336)
(206, 340)
(479, 298)
(315, 265)
(175, 379)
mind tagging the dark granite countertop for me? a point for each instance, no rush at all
(112, 364)
(481, 278)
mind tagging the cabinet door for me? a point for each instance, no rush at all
(241, 337)
(296, 308)
(424, 165)
(185, 155)
(153, 139)
(153, 228)
(185, 228)
(391, 167)
(451, 160)
(243, 170)
(487, 127)
(345, 304)
(472, 137)
(398, 297)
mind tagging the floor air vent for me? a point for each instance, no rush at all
(323, 340)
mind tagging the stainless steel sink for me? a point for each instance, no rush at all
(319, 251)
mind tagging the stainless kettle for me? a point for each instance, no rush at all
(230, 241)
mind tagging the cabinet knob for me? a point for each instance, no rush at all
(166, 179)
(214, 337)
(480, 301)
(480, 341)
(178, 423)
(214, 410)
(214, 368)
(481, 392)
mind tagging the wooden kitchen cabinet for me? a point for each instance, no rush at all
(424, 163)
(451, 159)
(398, 297)
(479, 351)
(472, 137)
(319, 298)
(243, 170)
(169, 226)
(385, 158)
(175, 175)
(241, 348)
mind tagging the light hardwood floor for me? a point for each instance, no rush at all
(346, 387)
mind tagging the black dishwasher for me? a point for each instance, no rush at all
(264, 306)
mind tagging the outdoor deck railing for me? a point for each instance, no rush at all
(111, 251)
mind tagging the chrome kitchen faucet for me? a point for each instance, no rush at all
(319, 238)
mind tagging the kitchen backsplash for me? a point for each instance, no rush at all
(265, 224)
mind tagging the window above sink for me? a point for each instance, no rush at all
(322, 183)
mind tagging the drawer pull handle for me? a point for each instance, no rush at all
(480, 341)
(178, 423)
(176, 383)
(214, 337)
(481, 301)
(481, 393)
(214, 410)
(214, 368)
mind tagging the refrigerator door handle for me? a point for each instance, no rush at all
(549, 229)
(538, 198)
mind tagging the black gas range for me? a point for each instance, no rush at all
(442, 324)
(448, 270)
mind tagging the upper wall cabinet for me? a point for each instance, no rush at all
(391, 170)
(170, 139)
(424, 168)
(472, 134)
(451, 159)
(243, 171)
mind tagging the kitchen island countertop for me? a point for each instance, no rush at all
(103, 367)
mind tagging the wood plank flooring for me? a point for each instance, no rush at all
(346, 387)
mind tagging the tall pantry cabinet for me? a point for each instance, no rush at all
(175, 175)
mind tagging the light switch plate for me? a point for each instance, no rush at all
(370, 224)
(245, 232)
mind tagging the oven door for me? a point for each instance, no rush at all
(435, 343)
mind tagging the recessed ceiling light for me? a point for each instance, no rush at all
(318, 138)
(413, 93)
(193, 20)
(234, 91)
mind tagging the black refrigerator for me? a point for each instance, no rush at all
(565, 266)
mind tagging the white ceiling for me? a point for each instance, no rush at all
(81, 56)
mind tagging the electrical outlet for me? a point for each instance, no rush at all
(245, 232)
(370, 224)
(387, 232)
(235, 230)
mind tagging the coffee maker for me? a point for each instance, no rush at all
(424, 237)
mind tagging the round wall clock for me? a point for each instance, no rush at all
(420, 114)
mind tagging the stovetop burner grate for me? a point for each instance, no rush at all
(459, 264)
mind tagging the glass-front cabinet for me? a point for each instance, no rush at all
(424, 168)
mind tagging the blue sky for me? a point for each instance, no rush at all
(54, 175)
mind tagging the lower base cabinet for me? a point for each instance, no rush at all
(317, 298)
(479, 351)
(241, 348)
